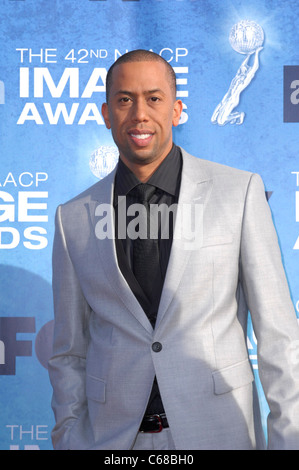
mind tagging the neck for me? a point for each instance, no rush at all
(145, 171)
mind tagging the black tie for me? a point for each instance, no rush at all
(146, 265)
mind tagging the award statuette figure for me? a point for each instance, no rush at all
(246, 37)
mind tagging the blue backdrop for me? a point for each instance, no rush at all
(53, 61)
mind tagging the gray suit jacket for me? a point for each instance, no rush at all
(103, 364)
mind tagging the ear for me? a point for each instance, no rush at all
(105, 113)
(177, 111)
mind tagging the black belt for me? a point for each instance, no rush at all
(154, 423)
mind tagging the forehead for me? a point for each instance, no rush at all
(140, 76)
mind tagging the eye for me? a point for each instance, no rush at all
(124, 99)
(154, 99)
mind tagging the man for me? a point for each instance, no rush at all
(164, 364)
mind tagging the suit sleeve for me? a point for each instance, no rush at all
(67, 365)
(273, 317)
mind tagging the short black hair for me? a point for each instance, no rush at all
(140, 55)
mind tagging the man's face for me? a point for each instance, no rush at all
(141, 112)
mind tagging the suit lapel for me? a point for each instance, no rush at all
(103, 198)
(194, 191)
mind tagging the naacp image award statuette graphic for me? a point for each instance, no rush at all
(246, 37)
(103, 160)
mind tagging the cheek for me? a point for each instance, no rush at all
(167, 124)
(165, 121)
(115, 124)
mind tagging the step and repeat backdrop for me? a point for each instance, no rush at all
(237, 66)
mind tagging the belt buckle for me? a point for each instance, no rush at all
(160, 424)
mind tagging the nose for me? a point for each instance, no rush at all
(139, 111)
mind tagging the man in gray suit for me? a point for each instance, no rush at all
(158, 360)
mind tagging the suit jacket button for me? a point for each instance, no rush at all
(156, 347)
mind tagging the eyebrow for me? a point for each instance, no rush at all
(131, 93)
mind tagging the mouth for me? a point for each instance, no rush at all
(140, 138)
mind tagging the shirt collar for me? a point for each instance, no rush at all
(166, 177)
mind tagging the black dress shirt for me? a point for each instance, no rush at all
(166, 179)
